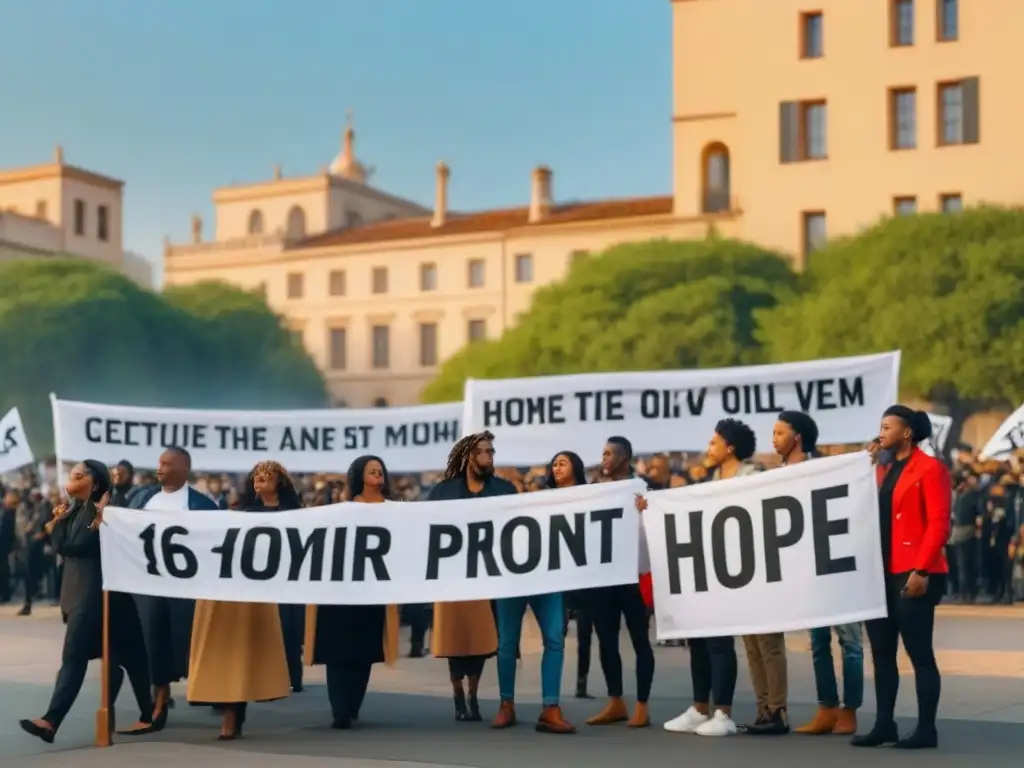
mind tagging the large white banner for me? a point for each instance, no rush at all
(788, 549)
(409, 439)
(415, 552)
(1007, 439)
(534, 418)
(14, 448)
(940, 434)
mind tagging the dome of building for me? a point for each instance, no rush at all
(346, 165)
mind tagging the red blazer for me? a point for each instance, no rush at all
(921, 505)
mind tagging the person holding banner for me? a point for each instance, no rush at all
(795, 439)
(167, 622)
(465, 633)
(350, 639)
(74, 535)
(549, 611)
(713, 661)
(237, 653)
(611, 605)
(914, 499)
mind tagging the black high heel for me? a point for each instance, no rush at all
(160, 721)
(474, 709)
(461, 714)
(46, 734)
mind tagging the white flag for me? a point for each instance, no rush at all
(1007, 439)
(14, 448)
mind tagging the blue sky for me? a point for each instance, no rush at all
(178, 97)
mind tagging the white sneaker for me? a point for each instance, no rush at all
(686, 722)
(719, 725)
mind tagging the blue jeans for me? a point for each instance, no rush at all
(548, 611)
(852, 644)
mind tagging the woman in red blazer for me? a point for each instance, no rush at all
(914, 498)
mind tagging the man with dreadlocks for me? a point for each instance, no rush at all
(465, 633)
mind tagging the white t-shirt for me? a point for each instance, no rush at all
(163, 501)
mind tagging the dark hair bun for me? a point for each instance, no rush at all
(921, 426)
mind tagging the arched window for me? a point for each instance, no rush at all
(716, 195)
(296, 223)
(380, 402)
(256, 223)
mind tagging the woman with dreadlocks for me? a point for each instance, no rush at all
(465, 633)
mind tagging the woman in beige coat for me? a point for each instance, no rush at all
(238, 651)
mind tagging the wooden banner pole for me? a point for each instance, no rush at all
(104, 732)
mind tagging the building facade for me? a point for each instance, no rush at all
(792, 122)
(816, 119)
(57, 209)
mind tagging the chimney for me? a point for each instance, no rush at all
(197, 228)
(58, 155)
(277, 172)
(441, 195)
(540, 197)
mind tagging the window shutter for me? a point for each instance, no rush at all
(972, 110)
(789, 134)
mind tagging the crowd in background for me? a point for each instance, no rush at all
(986, 547)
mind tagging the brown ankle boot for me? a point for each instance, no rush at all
(846, 724)
(506, 716)
(551, 721)
(641, 717)
(824, 721)
(614, 712)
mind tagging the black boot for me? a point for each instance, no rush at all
(771, 724)
(581, 688)
(474, 705)
(461, 713)
(880, 734)
(922, 738)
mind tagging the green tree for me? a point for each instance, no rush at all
(947, 290)
(85, 332)
(653, 305)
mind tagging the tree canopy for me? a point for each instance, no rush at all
(948, 290)
(85, 332)
(652, 305)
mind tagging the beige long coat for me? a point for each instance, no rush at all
(237, 654)
(464, 629)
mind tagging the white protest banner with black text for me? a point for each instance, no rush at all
(534, 418)
(1007, 439)
(941, 425)
(395, 552)
(14, 448)
(410, 439)
(788, 549)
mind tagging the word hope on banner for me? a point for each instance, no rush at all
(534, 418)
(792, 548)
(413, 439)
(14, 448)
(1007, 439)
(419, 552)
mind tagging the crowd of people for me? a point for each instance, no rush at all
(232, 654)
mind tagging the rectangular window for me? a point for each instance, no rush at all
(475, 273)
(904, 206)
(815, 231)
(476, 330)
(428, 345)
(337, 348)
(901, 23)
(428, 277)
(295, 285)
(381, 337)
(812, 35)
(903, 118)
(959, 113)
(80, 217)
(948, 26)
(337, 284)
(103, 223)
(814, 130)
(577, 256)
(951, 203)
(524, 268)
(41, 209)
(380, 280)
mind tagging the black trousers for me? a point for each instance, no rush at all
(419, 623)
(609, 606)
(5, 576)
(72, 675)
(966, 555)
(346, 688)
(35, 561)
(911, 619)
(713, 670)
(293, 629)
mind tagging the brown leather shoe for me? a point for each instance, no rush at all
(614, 712)
(641, 717)
(551, 721)
(824, 721)
(846, 724)
(506, 716)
